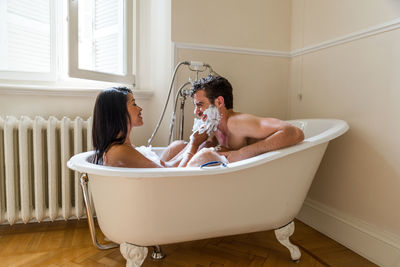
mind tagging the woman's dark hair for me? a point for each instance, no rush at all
(214, 86)
(110, 117)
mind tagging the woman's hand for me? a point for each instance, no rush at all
(197, 139)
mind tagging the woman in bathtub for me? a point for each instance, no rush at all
(115, 114)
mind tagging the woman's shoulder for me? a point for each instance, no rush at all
(117, 149)
(125, 155)
(118, 155)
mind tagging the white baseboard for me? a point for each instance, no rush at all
(374, 244)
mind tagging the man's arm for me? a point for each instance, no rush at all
(272, 134)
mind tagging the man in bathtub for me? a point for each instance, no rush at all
(233, 135)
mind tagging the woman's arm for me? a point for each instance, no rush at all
(191, 149)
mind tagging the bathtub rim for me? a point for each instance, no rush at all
(338, 127)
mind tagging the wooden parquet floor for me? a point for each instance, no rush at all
(69, 244)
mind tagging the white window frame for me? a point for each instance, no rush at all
(129, 47)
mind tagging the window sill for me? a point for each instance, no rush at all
(46, 90)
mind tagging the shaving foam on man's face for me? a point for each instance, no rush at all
(212, 114)
(209, 121)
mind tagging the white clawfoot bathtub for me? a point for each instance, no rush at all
(148, 207)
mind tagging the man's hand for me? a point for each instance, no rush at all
(232, 156)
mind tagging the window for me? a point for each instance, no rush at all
(37, 42)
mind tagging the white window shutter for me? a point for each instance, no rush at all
(109, 36)
(100, 40)
(27, 41)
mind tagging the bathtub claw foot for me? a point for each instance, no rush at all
(134, 255)
(283, 234)
(157, 254)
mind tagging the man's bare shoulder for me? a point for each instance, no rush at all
(251, 126)
(242, 119)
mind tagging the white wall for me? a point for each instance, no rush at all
(325, 20)
(261, 24)
(356, 81)
(260, 82)
(42, 105)
(350, 71)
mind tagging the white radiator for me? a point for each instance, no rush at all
(35, 182)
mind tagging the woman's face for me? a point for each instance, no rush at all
(134, 111)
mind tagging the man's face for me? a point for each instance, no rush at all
(201, 103)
